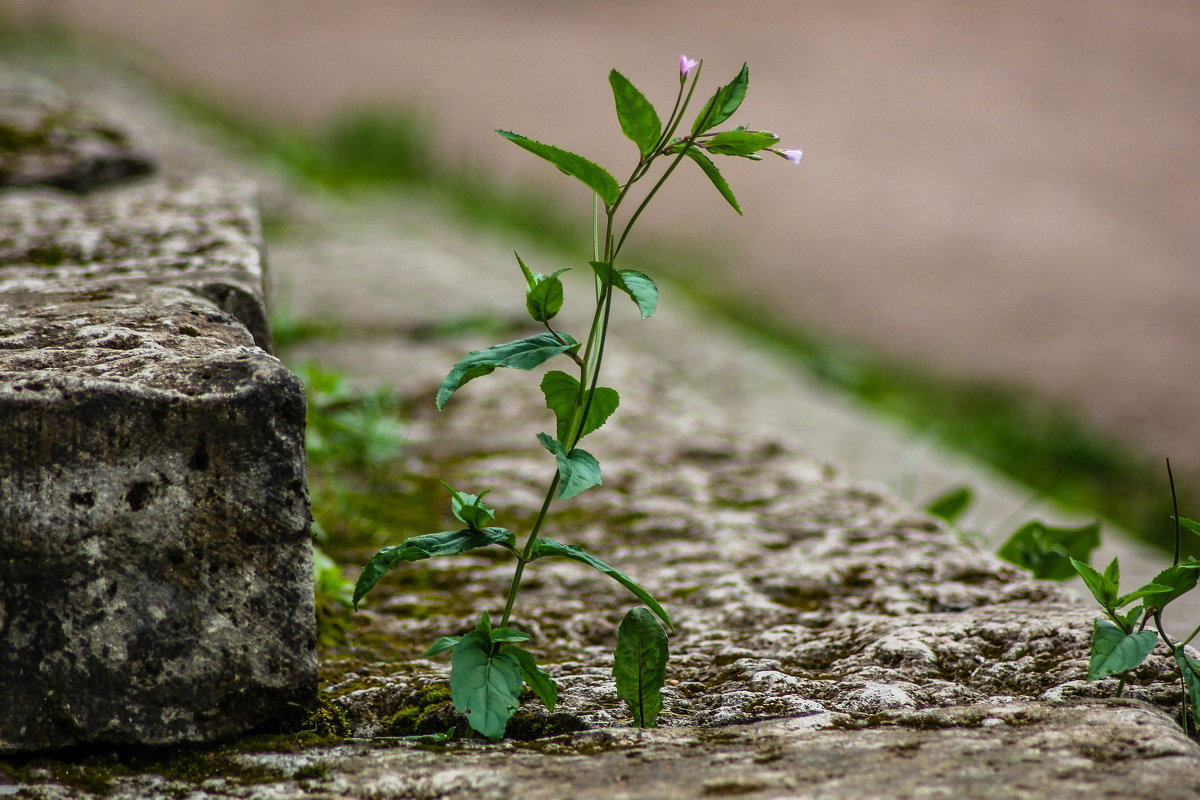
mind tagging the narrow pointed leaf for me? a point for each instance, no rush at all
(442, 645)
(950, 505)
(595, 176)
(1146, 591)
(1103, 589)
(740, 143)
(549, 547)
(1114, 651)
(446, 543)
(562, 392)
(639, 121)
(640, 664)
(578, 470)
(1190, 669)
(637, 285)
(723, 103)
(521, 354)
(1113, 572)
(535, 677)
(1190, 524)
(718, 180)
(484, 688)
(529, 281)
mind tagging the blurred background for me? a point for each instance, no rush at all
(994, 230)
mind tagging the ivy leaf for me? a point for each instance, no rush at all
(718, 180)
(740, 143)
(469, 509)
(485, 688)
(1102, 586)
(639, 121)
(562, 391)
(595, 176)
(446, 543)
(545, 299)
(541, 683)
(549, 547)
(1046, 550)
(521, 354)
(633, 283)
(578, 470)
(721, 105)
(1115, 651)
(950, 505)
(640, 664)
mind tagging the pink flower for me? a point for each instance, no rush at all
(791, 155)
(686, 65)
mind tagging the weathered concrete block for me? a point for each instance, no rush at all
(155, 560)
(48, 138)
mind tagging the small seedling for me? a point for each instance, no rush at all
(488, 665)
(1121, 641)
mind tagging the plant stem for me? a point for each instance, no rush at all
(527, 553)
(1175, 505)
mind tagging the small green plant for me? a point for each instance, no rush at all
(1121, 640)
(488, 665)
(1048, 551)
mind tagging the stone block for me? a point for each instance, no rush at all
(155, 560)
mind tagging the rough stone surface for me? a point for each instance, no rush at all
(47, 138)
(155, 566)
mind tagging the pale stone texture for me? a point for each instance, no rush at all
(155, 563)
(47, 137)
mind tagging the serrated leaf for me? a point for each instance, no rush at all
(637, 285)
(521, 354)
(1178, 580)
(640, 664)
(718, 180)
(486, 689)
(578, 470)
(1189, 668)
(1113, 572)
(442, 645)
(1046, 550)
(1103, 589)
(562, 392)
(535, 677)
(740, 143)
(545, 299)
(446, 543)
(639, 121)
(469, 509)
(595, 176)
(1115, 651)
(723, 103)
(950, 505)
(548, 547)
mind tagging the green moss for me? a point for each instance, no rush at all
(427, 710)
(527, 725)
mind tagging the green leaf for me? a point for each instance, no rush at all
(950, 505)
(446, 543)
(578, 470)
(1113, 572)
(1115, 651)
(1046, 550)
(1189, 668)
(484, 688)
(723, 103)
(740, 143)
(469, 509)
(595, 176)
(1190, 524)
(562, 392)
(718, 180)
(541, 683)
(545, 299)
(1101, 586)
(548, 547)
(633, 283)
(529, 279)
(1177, 580)
(1145, 591)
(442, 645)
(1130, 618)
(640, 665)
(521, 354)
(509, 635)
(639, 121)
